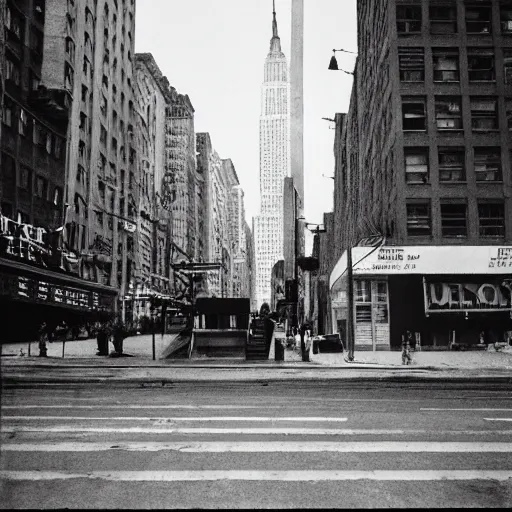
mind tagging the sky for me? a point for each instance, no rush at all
(214, 51)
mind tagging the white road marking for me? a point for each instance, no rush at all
(180, 418)
(498, 419)
(107, 406)
(282, 476)
(268, 447)
(475, 409)
(263, 431)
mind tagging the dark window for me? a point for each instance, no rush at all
(8, 168)
(448, 113)
(39, 6)
(41, 188)
(14, 24)
(70, 48)
(83, 121)
(25, 178)
(491, 219)
(443, 19)
(451, 164)
(445, 64)
(24, 123)
(507, 66)
(101, 191)
(12, 69)
(68, 76)
(8, 112)
(413, 113)
(453, 219)
(506, 18)
(103, 105)
(84, 93)
(484, 113)
(487, 164)
(508, 109)
(416, 165)
(99, 218)
(104, 81)
(36, 43)
(412, 64)
(418, 219)
(103, 135)
(481, 65)
(478, 19)
(408, 19)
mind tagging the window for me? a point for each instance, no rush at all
(478, 19)
(418, 219)
(507, 66)
(101, 191)
(104, 81)
(80, 174)
(506, 18)
(84, 93)
(8, 112)
(443, 19)
(41, 188)
(70, 48)
(508, 109)
(451, 164)
(445, 64)
(487, 164)
(57, 197)
(484, 114)
(39, 10)
(412, 64)
(114, 144)
(14, 24)
(36, 43)
(448, 113)
(362, 290)
(12, 69)
(23, 123)
(99, 218)
(453, 219)
(8, 168)
(491, 219)
(83, 121)
(481, 65)
(413, 113)
(25, 178)
(408, 19)
(103, 105)
(416, 165)
(114, 120)
(103, 135)
(68, 76)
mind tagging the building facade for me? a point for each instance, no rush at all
(274, 165)
(424, 166)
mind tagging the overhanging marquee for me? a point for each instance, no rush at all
(425, 260)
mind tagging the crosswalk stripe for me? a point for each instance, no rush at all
(108, 406)
(498, 419)
(460, 409)
(282, 476)
(269, 447)
(180, 418)
(264, 431)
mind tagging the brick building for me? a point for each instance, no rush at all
(423, 160)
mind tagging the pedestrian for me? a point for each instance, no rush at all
(118, 336)
(102, 340)
(406, 348)
(43, 339)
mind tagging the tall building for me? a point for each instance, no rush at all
(152, 237)
(274, 165)
(424, 160)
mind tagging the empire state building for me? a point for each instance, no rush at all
(274, 165)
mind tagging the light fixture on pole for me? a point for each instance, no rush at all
(333, 64)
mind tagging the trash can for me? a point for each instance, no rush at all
(279, 349)
(316, 342)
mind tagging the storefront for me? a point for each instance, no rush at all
(31, 294)
(446, 295)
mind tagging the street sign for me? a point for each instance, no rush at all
(129, 227)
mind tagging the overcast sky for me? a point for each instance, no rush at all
(214, 51)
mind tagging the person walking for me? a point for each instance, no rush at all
(43, 339)
(406, 348)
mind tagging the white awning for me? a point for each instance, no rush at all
(425, 260)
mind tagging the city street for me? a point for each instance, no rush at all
(258, 445)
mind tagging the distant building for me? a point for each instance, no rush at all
(274, 165)
(423, 163)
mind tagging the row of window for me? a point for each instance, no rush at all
(448, 113)
(454, 223)
(452, 164)
(446, 64)
(31, 182)
(443, 18)
(17, 118)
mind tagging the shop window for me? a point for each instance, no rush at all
(408, 19)
(25, 182)
(412, 64)
(484, 113)
(445, 64)
(451, 164)
(488, 164)
(478, 18)
(362, 290)
(481, 65)
(416, 165)
(508, 109)
(454, 219)
(418, 219)
(413, 113)
(448, 113)
(507, 66)
(491, 219)
(443, 19)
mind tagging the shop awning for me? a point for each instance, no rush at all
(425, 260)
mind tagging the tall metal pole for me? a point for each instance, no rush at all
(350, 306)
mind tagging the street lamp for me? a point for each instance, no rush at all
(333, 64)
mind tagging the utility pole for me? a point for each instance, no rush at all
(350, 305)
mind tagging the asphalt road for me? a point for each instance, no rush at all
(283, 445)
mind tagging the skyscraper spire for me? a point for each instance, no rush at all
(275, 42)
